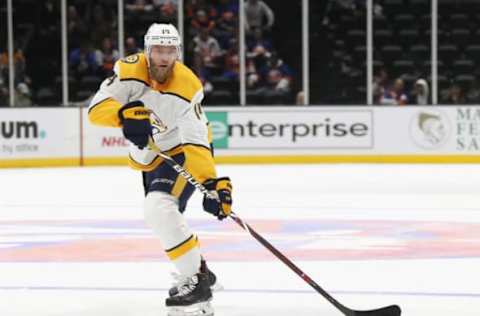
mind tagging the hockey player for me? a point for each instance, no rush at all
(152, 94)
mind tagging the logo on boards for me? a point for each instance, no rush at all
(430, 129)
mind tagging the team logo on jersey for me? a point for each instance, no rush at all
(132, 59)
(158, 127)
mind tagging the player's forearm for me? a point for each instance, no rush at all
(105, 113)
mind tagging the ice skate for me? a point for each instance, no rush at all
(212, 278)
(192, 299)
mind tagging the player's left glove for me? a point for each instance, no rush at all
(221, 188)
(135, 120)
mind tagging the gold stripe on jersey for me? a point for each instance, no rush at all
(104, 113)
(138, 166)
(182, 248)
(210, 135)
(183, 83)
(155, 162)
(179, 186)
(132, 68)
(199, 162)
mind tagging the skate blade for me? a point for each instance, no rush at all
(199, 309)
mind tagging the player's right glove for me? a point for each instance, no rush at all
(135, 120)
(221, 188)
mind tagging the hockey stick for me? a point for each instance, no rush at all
(392, 310)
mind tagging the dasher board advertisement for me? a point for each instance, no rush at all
(289, 129)
(27, 133)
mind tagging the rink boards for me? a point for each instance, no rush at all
(64, 137)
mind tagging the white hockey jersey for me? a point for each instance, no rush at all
(178, 121)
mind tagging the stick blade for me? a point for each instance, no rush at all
(392, 310)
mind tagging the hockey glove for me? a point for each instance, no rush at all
(221, 188)
(135, 120)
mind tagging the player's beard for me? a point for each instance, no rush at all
(160, 74)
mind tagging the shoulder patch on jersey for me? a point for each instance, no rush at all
(132, 59)
(134, 67)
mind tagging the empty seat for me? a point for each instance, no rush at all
(380, 22)
(460, 36)
(356, 79)
(220, 97)
(465, 80)
(420, 6)
(45, 96)
(472, 52)
(377, 65)
(420, 52)
(360, 53)
(409, 37)
(459, 21)
(90, 83)
(403, 20)
(382, 37)
(394, 6)
(350, 22)
(391, 52)
(463, 66)
(442, 81)
(401, 67)
(359, 95)
(448, 52)
(425, 21)
(83, 95)
(222, 83)
(427, 67)
(356, 37)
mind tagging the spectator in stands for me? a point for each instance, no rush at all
(77, 27)
(421, 92)
(226, 6)
(379, 83)
(259, 53)
(272, 83)
(232, 62)
(104, 26)
(300, 98)
(206, 53)
(454, 95)
(226, 28)
(23, 96)
(258, 47)
(4, 98)
(139, 6)
(395, 95)
(276, 89)
(82, 61)
(255, 12)
(167, 8)
(253, 77)
(106, 58)
(193, 6)
(201, 21)
(276, 63)
(131, 46)
(207, 86)
(19, 64)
